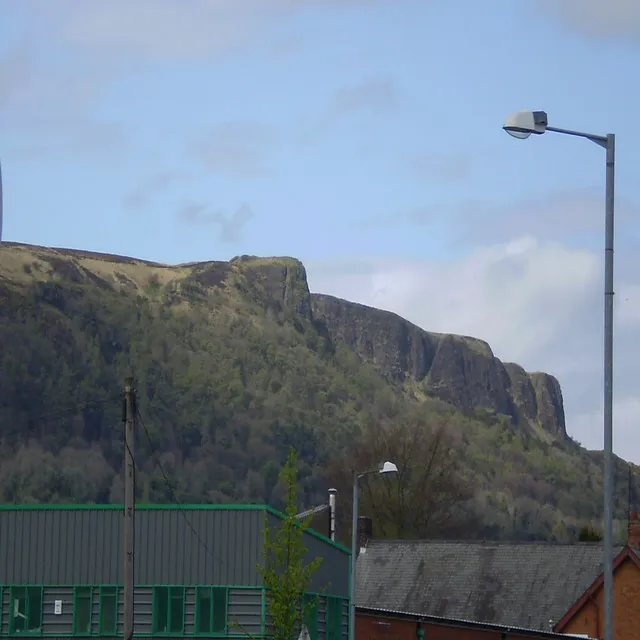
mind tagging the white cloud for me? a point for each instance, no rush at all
(426, 165)
(231, 226)
(49, 105)
(165, 29)
(169, 29)
(505, 293)
(615, 19)
(536, 303)
(375, 95)
(71, 52)
(626, 413)
(239, 149)
(557, 214)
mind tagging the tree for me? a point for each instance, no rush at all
(587, 534)
(287, 572)
(432, 494)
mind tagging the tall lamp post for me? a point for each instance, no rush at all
(522, 125)
(386, 467)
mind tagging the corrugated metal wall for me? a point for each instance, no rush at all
(321, 619)
(60, 548)
(244, 612)
(173, 546)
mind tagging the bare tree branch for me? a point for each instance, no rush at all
(430, 496)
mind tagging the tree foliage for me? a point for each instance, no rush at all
(432, 493)
(587, 534)
(287, 570)
(230, 375)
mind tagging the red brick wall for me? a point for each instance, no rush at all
(370, 627)
(626, 607)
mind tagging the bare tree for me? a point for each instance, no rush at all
(431, 496)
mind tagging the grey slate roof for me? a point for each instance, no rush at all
(513, 584)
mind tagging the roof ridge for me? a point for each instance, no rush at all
(490, 542)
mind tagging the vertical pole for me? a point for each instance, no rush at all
(629, 503)
(129, 504)
(354, 554)
(608, 391)
(0, 203)
(332, 514)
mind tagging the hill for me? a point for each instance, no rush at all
(237, 361)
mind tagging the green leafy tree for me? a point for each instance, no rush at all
(587, 534)
(231, 374)
(287, 571)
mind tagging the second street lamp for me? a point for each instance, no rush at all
(384, 468)
(522, 125)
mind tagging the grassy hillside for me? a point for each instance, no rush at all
(232, 368)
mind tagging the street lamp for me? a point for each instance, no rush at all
(522, 125)
(385, 467)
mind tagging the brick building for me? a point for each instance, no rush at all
(586, 616)
(377, 624)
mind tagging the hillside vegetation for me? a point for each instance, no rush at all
(235, 363)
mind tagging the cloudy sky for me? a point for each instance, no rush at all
(362, 136)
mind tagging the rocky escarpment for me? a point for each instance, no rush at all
(280, 280)
(460, 370)
(457, 369)
(550, 403)
(279, 285)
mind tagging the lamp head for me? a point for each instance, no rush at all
(523, 123)
(388, 467)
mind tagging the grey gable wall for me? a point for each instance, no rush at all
(332, 578)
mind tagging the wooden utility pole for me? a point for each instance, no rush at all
(129, 504)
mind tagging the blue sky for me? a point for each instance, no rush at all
(362, 136)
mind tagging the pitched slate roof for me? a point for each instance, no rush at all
(514, 584)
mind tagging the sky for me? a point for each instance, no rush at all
(363, 137)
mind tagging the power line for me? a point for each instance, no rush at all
(171, 489)
(54, 415)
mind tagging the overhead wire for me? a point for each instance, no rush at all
(169, 486)
(71, 409)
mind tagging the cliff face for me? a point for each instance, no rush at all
(235, 363)
(457, 369)
(279, 285)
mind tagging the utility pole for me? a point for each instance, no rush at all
(129, 504)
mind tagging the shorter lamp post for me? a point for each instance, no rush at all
(386, 467)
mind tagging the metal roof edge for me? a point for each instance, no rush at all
(138, 507)
(169, 507)
(463, 623)
(504, 543)
(311, 532)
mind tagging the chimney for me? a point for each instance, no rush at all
(332, 514)
(365, 532)
(633, 531)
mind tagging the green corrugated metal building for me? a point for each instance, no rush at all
(196, 574)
